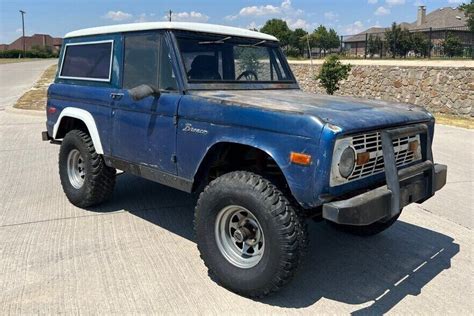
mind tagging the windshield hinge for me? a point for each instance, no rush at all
(175, 119)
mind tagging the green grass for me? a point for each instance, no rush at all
(35, 98)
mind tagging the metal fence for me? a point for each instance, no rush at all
(374, 45)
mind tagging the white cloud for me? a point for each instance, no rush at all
(455, 1)
(253, 26)
(285, 9)
(192, 16)
(20, 30)
(145, 18)
(395, 2)
(117, 15)
(298, 24)
(372, 1)
(331, 16)
(382, 11)
(354, 28)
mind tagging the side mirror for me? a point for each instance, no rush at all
(143, 91)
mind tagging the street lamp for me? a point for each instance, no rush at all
(23, 28)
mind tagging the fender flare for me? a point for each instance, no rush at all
(85, 117)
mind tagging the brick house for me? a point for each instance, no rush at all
(436, 25)
(41, 40)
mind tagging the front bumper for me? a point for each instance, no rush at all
(416, 183)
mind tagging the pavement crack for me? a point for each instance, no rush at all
(446, 218)
(93, 215)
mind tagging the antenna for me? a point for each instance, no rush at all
(170, 13)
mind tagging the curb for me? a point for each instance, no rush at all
(37, 113)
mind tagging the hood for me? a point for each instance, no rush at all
(349, 113)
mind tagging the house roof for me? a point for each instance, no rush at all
(442, 18)
(185, 26)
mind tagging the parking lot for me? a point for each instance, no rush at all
(137, 254)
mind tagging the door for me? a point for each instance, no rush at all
(144, 131)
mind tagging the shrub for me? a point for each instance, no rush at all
(332, 72)
(35, 52)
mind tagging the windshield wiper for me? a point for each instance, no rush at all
(254, 45)
(221, 41)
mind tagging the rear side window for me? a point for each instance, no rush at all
(87, 61)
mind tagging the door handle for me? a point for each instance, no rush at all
(116, 96)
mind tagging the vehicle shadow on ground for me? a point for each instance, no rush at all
(376, 272)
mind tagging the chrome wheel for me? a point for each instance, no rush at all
(239, 236)
(76, 169)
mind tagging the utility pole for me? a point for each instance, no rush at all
(23, 28)
(169, 15)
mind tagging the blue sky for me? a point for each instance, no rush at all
(346, 16)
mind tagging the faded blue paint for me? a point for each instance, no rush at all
(153, 130)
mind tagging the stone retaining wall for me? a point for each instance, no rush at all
(439, 89)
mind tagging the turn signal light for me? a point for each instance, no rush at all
(300, 159)
(413, 146)
(51, 110)
(363, 158)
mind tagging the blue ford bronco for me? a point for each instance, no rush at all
(216, 111)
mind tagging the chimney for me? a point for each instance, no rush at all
(421, 15)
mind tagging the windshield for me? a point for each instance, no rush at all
(226, 59)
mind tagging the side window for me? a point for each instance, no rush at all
(141, 60)
(148, 61)
(87, 61)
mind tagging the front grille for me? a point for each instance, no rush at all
(372, 143)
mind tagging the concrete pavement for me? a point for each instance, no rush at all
(17, 78)
(137, 253)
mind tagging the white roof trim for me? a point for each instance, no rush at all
(185, 26)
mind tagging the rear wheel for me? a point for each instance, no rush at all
(249, 235)
(85, 178)
(367, 230)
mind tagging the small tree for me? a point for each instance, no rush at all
(374, 45)
(452, 46)
(420, 44)
(392, 36)
(332, 72)
(404, 43)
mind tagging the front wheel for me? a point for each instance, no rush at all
(249, 235)
(85, 178)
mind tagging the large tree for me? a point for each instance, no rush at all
(279, 29)
(468, 9)
(297, 40)
(324, 39)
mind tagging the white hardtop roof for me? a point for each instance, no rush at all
(184, 26)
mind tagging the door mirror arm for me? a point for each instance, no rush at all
(142, 91)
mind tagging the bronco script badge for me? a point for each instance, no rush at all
(190, 129)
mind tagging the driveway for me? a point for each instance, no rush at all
(17, 78)
(137, 253)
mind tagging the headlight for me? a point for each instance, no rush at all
(347, 162)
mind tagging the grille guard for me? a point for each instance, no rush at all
(415, 183)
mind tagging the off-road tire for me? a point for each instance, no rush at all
(284, 231)
(99, 180)
(368, 230)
